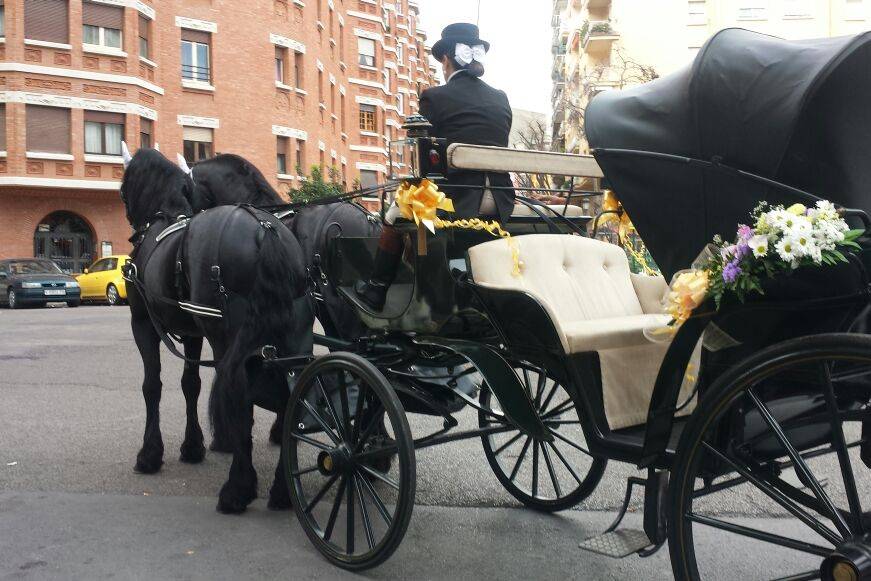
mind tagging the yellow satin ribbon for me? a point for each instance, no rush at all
(421, 203)
(625, 228)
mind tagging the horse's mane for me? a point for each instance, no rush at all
(256, 190)
(153, 184)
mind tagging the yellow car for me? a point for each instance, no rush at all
(102, 281)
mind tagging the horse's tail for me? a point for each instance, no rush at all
(273, 317)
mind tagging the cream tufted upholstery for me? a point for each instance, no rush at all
(595, 303)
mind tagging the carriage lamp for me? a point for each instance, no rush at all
(435, 157)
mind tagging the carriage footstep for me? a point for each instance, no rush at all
(617, 544)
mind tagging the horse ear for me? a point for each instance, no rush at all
(182, 163)
(125, 154)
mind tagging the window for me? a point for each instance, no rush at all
(797, 8)
(48, 129)
(298, 70)
(2, 20)
(399, 54)
(281, 154)
(332, 98)
(320, 86)
(144, 35)
(322, 163)
(341, 42)
(2, 126)
(697, 10)
(102, 24)
(195, 55)
(280, 52)
(300, 157)
(103, 132)
(752, 10)
(342, 112)
(366, 46)
(146, 132)
(47, 20)
(367, 118)
(368, 178)
(197, 144)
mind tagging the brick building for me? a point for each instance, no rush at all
(286, 83)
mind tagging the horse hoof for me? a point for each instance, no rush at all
(279, 500)
(147, 466)
(275, 434)
(192, 454)
(220, 447)
(231, 500)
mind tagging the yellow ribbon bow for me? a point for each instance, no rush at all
(422, 202)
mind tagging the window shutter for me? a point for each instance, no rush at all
(47, 20)
(102, 15)
(197, 134)
(195, 35)
(145, 125)
(104, 117)
(48, 129)
(2, 124)
(144, 25)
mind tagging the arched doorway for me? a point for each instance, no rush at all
(65, 238)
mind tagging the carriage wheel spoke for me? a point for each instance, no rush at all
(535, 468)
(304, 471)
(800, 466)
(778, 497)
(349, 549)
(557, 410)
(806, 576)
(506, 444)
(550, 395)
(539, 390)
(565, 462)
(367, 524)
(321, 422)
(840, 445)
(520, 458)
(358, 414)
(379, 504)
(760, 535)
(364, 437)
(331, 522)
(569, 442)
(561, 422)
(550, 470)
(310, 441)
(317, 498)
(382, 477)
(527, 383)
(343, 399)
(332, 410)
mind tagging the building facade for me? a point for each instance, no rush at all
(602, 45)
(288, 84)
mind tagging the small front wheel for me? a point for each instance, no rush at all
(112, 296)
(12, 300)
(546, 476)
(342, 421)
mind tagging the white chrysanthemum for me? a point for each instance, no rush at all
(787, 249)
(805, 244)
(776, 219)
(759, 245)
(797, 226)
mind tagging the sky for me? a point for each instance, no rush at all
(519, 34)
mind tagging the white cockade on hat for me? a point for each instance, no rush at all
(465, 54)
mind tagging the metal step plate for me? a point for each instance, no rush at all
(618, 544)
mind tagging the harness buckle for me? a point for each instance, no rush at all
(268, 352)
(216, 273)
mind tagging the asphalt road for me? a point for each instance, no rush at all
(71, 419)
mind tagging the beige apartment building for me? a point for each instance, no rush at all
(601, 45)
(286, 83)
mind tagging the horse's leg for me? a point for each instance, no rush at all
(279, 495)
(241, 486)
(221, 441)
(150, 456)
(192, 449)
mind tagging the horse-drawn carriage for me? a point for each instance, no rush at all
(556, 360)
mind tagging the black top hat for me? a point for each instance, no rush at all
(459, 32)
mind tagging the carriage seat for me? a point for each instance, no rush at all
(524, 211)
(596, 305)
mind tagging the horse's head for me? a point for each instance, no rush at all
(152, 184)
(227, 179)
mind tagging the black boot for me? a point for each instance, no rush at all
(373, 292)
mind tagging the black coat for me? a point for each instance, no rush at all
(468, 110)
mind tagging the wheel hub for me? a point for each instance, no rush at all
(334, 461)
(850, 562)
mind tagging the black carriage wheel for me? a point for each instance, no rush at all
(354, 512)
(546, 476)
(791, 407)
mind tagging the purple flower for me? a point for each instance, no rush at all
(742, 250)
(731, 272)
(745, 232)
(728, 251)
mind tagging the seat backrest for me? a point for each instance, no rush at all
(575, 278)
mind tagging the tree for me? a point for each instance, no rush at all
(622, 71)
(534, 136)
(314, 187)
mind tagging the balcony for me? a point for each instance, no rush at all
(598, 4)
(599, 36)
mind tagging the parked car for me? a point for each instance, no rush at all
(102, 281)
(36, 281)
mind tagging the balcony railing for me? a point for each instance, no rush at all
(195, 73)
(599, 32)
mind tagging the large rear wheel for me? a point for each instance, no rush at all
(354, 506)
(778, 439)
(546, 476)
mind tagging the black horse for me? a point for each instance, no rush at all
(234, 275)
